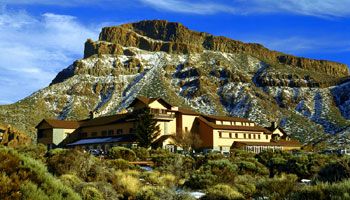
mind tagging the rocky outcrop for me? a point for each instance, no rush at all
(159, 35)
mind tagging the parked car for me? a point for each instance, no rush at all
(96, 152)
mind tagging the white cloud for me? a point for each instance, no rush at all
(189, 7)
(34, 49)
(318, 8)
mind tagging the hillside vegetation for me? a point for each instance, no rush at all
(32, 173)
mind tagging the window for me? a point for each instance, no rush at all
(254, 136)
(131, 130)
(236, 135)
(186, 129)
(119, 131)
(267, 137)
(230, 135)
(110, 132)
(250, 136)
(259, 137)
(220, 134)
(245, 136)
(104, 133)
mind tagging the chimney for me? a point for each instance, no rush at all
(92, 114)
(274, 125)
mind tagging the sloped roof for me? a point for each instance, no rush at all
(232, 127)
(55, 123)
(99, 121)
(147, 101)
(226, 118)
(101, 140)
(188, 111)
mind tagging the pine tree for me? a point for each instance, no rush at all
(147, 130)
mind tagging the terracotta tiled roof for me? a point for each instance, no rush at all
(54, 123)
(231, 127)
(99, 121)
(188, 111)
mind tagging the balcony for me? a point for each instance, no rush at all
(162, 114)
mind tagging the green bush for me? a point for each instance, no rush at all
(17, 169)
(122, 153)
(222, 192)
(245, 184)
(126, 184)
(35, 151)
(176, 164)
(142, 153)
(155, 193)
(89, 192)
(119, 164)
(70, 180)
(213, 172)
(276, 188)
(336, 171)
(324, 191)
(77, 162)
(29, 190)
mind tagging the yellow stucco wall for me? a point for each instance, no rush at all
(188, 121)
(156, 105)
(277, 131)
(226, 142)
(167, 127)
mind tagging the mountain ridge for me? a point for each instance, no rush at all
(211, 78)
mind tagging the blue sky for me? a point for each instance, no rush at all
(38, 38)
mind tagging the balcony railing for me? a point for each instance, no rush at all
(164, 114)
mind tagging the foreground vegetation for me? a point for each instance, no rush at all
(32, 173)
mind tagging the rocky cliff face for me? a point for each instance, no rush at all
(213, 75)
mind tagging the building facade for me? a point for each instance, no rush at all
(214, 132)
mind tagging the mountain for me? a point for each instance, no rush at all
(210, 74)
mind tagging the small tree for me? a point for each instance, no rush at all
(188, 141)
(147, 130)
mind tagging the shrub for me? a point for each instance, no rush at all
(70, 180)
(156, 178)
(213, 172)
(21, 168)
(335, 172)
(323, 191)
(142, 153)
(73, 161)
(155, 193)
(245, 185)
(122, 152)
(126, 184)
(176, 164)
(89, 192)
(222, 192)
(35, 151)
(119, 164)
(30, 190)
(277, 187)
